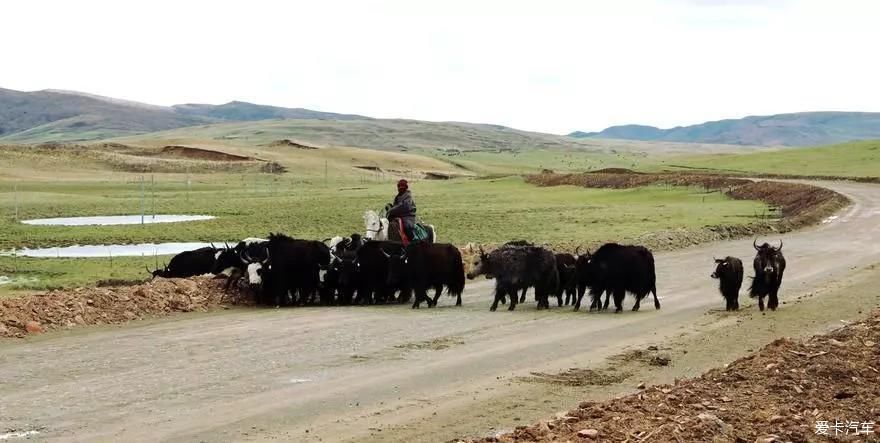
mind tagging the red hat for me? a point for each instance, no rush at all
(402, 183)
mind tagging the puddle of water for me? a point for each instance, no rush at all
(4, 280)
(115, 220)
(299, 380)
(95, 251)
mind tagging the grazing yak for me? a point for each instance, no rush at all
(729, 272)
(769, 266)
(519, 267)
(616, 269)
(427, 265)
(189, 263)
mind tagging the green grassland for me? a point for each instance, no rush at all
(854, 159)
(463, 210)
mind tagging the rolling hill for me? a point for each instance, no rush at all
(798, 129)
(55, 115)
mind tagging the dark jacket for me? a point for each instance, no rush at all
(403, 207)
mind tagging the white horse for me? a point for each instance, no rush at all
(377, 227)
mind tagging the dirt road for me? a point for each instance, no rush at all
(395, 374)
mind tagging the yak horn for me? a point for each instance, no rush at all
(755, 244)
(780, 245)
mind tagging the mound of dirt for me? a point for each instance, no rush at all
(289, 144)
(113, 304)
(812, 390)
(438, 176)
(202, 154)
(273, 168)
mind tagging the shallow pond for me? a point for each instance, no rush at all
(5, 280)
(133, 250)
(106, 220)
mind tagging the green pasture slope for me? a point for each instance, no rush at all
(464, 210)
(853, 159)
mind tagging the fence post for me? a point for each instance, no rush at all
(15, 194)
(153, 194)
(142, 200)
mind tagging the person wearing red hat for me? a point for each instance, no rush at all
(403, 210)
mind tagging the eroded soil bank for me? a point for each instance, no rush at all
(798, 205)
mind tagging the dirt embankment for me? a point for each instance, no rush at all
(57, 309)
(202, 154)
(729, 172)
(287, 143)
(797, 205)
(788, 391)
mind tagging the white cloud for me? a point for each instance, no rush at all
(553, 66)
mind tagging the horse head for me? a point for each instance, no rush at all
(376, 227)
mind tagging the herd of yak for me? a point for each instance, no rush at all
(285, 271)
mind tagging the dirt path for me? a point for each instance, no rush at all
(394, 374)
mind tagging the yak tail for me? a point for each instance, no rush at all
(456, 282)
(757, 288)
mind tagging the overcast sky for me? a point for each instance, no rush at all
(552, 66)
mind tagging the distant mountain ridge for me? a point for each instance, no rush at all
(58, 115)
(797, 129)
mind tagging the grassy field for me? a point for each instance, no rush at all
(463, 210)
(854, 159)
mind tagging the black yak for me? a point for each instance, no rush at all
(769, 266)
(616, 269)
(516, 268)
(427, 265)
(189, 263)
(565, 265)
(729, 272)
(293, 267)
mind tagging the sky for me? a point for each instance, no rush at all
(550, 65)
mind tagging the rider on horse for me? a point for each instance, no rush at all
(402, 213)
